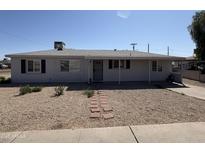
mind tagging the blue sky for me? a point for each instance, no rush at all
(22, 31)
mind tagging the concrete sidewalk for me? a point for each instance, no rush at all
(178, 132)
(190, 90)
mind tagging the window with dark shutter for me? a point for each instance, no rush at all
(43, 66)
(127, 64)
(154, 66)
(110, 64)
(23, 66)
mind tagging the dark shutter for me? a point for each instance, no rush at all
(43, 66)
(110, 64)
(23, 66)
(127, 64)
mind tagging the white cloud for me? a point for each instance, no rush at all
(123, 14)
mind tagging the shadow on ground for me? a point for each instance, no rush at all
(105, 85)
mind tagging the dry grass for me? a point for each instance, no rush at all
(131, 107)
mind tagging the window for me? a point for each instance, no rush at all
(156, 66)
(122, 63)
(64, 66)
(125, 64)
(30, 66)
(70, 65)
(34, 66)
(74, 65)
(116, 63)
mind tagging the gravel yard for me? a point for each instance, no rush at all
(131, 106)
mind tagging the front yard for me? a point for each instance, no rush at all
(131, 106)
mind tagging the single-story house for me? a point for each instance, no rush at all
(77, 65)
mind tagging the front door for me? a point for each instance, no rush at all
(97, 70)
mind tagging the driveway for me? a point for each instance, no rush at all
(191, 90)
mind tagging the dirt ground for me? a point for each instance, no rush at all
(132, 106)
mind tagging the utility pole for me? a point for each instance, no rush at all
(148, 48)
(133, 46)
(168, 50)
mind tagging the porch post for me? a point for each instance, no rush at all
(149, 71)
(88, 71)
(119, 73)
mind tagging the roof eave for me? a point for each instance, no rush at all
(95, 57)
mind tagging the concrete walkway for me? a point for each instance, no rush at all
(178, 132)
(190, 90)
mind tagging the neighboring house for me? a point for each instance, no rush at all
(190, 63)
(72, 65)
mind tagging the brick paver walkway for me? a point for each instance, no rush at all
(99, 106)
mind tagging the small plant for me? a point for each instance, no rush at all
(89, 92)
(25, 89)
(36, 89)
(59, 90)
(68, 88)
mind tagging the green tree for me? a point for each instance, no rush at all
(197, 31)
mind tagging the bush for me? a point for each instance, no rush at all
(3, 80)
(36, 89)
(25, 89)
(59, 90)
(89, 92)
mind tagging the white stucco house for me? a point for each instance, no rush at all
(73, 65)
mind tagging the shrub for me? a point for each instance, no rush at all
(59, 90)
(89, 92)
(36, 89)
(3, 80)
(25, 89)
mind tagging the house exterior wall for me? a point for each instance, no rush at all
(138, 72)
(53, 73)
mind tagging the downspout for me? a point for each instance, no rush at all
(88, 71)
(149, 72)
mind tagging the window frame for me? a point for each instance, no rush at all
(74, 61)
(154, 70)
(114, 64)
(122, 64)
(64, 60)
(159, 66)
(34, 67)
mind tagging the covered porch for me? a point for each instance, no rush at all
(125, 70)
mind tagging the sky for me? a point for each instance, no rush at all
(24, 31)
